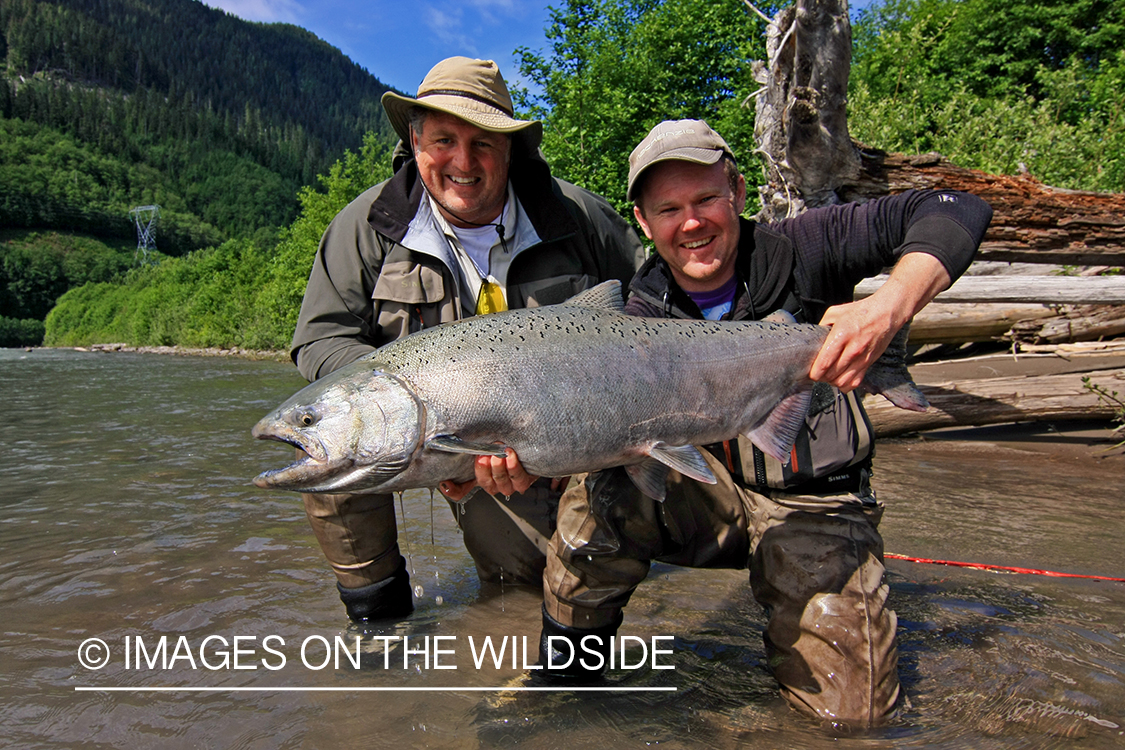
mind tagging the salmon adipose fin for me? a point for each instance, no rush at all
(776, 434)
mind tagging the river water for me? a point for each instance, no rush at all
(128, 517)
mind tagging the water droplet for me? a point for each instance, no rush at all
(439, 599)
(418, 591)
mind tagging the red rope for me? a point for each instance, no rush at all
(1005, 568)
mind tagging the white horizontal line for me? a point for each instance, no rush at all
(369, 689)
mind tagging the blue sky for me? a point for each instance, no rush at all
(398, 42)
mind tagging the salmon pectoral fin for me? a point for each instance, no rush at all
(776, 434)
(453, 444)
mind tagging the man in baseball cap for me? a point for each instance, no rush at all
(806, 529)
(472, 222)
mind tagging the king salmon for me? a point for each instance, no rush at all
(574, 387)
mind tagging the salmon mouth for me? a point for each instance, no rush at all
(312, 466)
(307, 475)
(272, 429)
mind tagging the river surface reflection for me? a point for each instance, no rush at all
(128, 517)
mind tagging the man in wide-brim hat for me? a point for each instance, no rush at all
(472, 222)
(468, 98)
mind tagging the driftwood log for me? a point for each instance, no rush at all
(1084, 323)
(1048, 290)
(971, 323)
(1032, 222)
(1020, 309)
(973, 403)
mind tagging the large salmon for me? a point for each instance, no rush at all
(573, 387)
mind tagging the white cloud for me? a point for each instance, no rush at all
(267, 11)
(450, 29)
(494, 8)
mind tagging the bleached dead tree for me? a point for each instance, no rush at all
(801, 122)
(801, 126)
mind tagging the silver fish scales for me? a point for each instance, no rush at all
(573, 387)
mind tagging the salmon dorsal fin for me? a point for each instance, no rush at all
(775, 434)
(604, 296)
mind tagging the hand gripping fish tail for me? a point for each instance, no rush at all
(571, 388)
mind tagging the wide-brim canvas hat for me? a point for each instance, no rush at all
(470, 89)
(675, 140)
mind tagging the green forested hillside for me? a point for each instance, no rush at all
(999, 85)
(110, 104)
(273, 92)
(246, 292)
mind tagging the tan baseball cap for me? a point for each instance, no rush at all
(683, 140)
(470, 89)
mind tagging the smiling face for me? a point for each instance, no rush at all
(690, 212)
(464, 168)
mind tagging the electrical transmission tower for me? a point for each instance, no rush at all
(145, 218)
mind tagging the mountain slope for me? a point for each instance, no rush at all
(110, 104)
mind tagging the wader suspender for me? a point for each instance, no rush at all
(792, 305)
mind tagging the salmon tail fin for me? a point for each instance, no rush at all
(904, 395)
(776, 434)
(889, 376)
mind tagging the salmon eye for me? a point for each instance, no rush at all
(306, 417)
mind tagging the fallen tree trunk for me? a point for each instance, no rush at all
(1049, 290)
(1032, 222)
(1084, 323)
(1006, 309)
(964, 323)
(973, 403)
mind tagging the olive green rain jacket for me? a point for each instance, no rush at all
(384, 270)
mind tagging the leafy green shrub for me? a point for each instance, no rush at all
(24, 332)
(37, 267)
(616, 68)
(1009, 87)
